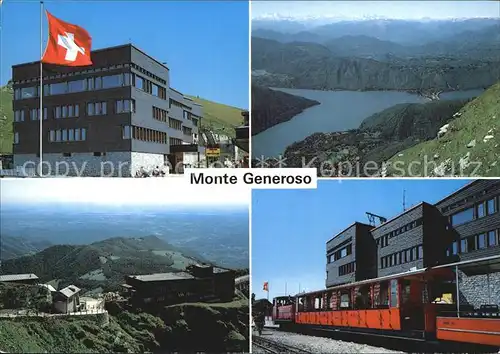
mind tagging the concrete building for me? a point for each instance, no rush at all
(198, 283)
(351, 255)
(67, 300)
(417, 238)
(19, 278)
(474, 218)
(111, 118)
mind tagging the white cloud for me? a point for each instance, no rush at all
(175, 191)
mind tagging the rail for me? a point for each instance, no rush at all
(271, 346)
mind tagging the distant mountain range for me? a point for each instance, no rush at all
(405, 32)
(101, 264)
(308, 65)
(13, 247)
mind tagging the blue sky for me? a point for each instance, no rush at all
(205, 44)
(384, 9)
(290, 227)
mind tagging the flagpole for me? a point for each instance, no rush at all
(40, 116)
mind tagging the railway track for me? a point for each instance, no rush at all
(270, 346)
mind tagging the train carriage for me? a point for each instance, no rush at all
(420, 304)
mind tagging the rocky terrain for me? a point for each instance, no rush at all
(270, 107)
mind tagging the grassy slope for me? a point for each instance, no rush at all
(479, 118)
(6, 118)
(219, 118)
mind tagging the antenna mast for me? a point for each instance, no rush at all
(404, 199)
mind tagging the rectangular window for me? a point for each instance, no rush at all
(16, 138)
(492, 238)
(481, 241)
(64, 111)
(77, 134)
(139, 82)
(90, 109)
(154, 90)
(76, 86)
(492, 206)
(71, 135)
(112, 81)
(420, 252)
(463, 246)
(59, 89)
(17, 94)
(58, 112)
(64, 135)
(90, 84)
(126, 132)
(45, 113)
(481, 210)
(84, 134)
(455, 247)
(77, 110)
(343, 252)
(126, 79)
(58, 135)
(462, 217)
(52, 136)
(97, 83)
(28, 92)
(472, 243)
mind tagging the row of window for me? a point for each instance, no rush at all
(479, 210)
(383, 241)
(175, 124)
(149, 87)
(347, 268)
(149, 135)
(470, 198)
(69, 111)
(63, 135)
(175, 141)
(160, 114)
(476, 242)
(92, 69)
(402, 257)
(172, 102)
(341, 253)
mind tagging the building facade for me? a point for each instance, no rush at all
(417, 238)
(199, 283)
(474, 217)
(111, 118)
(351, 255)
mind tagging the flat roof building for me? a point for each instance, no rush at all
(19, 278)
(111, 118)
(198, 283)
(351, 255)
(414, 239)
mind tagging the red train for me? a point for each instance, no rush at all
(419, 304)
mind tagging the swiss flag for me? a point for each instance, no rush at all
(68, 44)
(266, 286)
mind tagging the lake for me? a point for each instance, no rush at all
(337, 111)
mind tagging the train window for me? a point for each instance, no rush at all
(405, 291)
(384, 294)
(345, 296)
(317, 303)
(394, 293)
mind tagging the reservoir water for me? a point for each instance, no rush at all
(337, 111)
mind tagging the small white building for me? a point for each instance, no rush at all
(67, 300)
